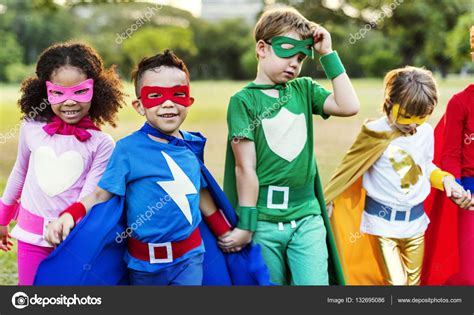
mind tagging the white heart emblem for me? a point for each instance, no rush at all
(55, 174)
(286, 134)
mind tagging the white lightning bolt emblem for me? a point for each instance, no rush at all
(178, 188)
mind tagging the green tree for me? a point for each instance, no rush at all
(416, 30)
(10, 53)
(458, 47)
(221, 47)
(152, 40)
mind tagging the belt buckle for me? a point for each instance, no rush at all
(286, 193)
(151, 251)
(396, 210)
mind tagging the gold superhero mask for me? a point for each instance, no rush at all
(398, 115)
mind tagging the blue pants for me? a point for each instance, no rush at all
(186, 272)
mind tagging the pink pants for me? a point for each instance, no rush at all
(29, 258)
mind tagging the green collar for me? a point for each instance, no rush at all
(252, 85)
(280, 87)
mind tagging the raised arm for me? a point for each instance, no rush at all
(343, 102)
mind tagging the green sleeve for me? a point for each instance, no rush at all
(318, 96)
(240, 121)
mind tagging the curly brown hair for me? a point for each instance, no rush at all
(108, 95)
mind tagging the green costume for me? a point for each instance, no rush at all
(290, 189)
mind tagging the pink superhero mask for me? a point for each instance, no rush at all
(152, 96)
(80, 93)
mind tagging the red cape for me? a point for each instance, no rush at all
(441, 259)
(447, 261)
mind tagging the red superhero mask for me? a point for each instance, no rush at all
(152, 96)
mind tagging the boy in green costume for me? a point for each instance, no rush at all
(271, 176)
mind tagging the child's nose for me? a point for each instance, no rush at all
(69, 102)
(168, 103)
(294, 61)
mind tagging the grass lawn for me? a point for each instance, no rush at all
(208, 115)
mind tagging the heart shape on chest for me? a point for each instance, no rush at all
(55, 174)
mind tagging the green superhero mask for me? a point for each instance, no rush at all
(299, 46)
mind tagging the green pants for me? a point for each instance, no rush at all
(295, 252)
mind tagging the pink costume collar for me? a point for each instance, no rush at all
(79, 129)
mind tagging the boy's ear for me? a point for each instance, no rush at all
(260, 48)
(137, 105)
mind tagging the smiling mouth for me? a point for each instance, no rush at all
(168, 115)
(70, 113)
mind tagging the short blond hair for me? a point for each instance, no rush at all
(413, 88)
(279, 21)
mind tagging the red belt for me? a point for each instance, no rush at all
(157, 253)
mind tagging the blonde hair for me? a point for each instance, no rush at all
(413, 88)
(279, 21)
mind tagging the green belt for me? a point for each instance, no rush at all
(284, 197)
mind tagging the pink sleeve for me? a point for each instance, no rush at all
(16, 180)
(99, 163)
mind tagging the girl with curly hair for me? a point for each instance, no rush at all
(62, 153)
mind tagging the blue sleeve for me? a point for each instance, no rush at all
(203, 181)
(117, 173)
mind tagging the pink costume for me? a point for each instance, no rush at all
(51, 172)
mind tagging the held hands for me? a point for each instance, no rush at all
(456, 193)
(5, 239)
(58, 230)
(235, 240)
(322, 41)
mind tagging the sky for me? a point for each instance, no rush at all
(193, 6)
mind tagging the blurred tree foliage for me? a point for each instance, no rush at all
(371, 36)
(414, 32)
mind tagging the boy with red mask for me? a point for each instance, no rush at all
(162, 183)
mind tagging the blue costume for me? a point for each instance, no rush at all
(93, 253)
(161, 184)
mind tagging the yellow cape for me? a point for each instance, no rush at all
(360, 258)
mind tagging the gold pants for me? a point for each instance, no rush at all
(402, 259)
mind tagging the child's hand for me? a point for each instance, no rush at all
(452, 188)
(59, 229)
(322, 41)
(464, 202)
(471, 207)
(456, 192)
(5, 239)
(234, 241)
(330, 208)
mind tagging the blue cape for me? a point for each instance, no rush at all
(92, 255)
